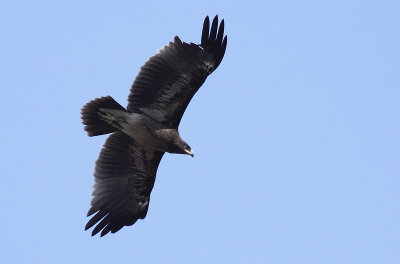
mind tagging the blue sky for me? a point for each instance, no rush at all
(296, 134)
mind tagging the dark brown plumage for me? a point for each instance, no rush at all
(126, 168)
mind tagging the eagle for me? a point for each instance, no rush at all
(126, 168)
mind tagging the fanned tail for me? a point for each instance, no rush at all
(91, 118)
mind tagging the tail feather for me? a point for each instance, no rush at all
(94, 124)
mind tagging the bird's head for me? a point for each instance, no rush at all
(188, 150)
(181, 147)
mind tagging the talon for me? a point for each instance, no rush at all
(106, 117)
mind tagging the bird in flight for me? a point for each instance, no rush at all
(126, 168)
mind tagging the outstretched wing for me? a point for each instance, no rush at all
(124, 177)
(167, 81)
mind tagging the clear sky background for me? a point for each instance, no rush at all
(296, 134)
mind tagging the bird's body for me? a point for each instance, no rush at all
(126, 168)
(140, 127)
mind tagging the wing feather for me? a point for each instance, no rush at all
(124, 177)
(167, 81)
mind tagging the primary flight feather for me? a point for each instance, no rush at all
(127, 165)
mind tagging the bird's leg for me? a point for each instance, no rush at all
(112, 117)
(106, 116)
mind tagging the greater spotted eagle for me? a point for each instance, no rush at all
(140, 135)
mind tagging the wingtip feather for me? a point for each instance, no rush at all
(220, 32)
(206, 30)
(224, 43)
(214, 27)
(103, 224)
(91, 211)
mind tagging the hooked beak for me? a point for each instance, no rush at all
(189, 152)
